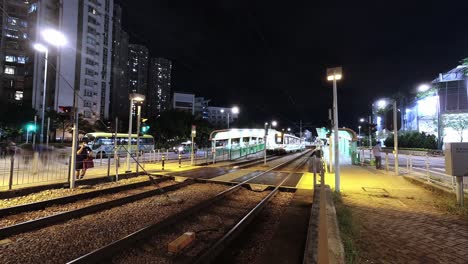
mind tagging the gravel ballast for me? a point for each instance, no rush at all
(261, 232)
(209, 225)
(56, 209)
(64, 242)
(57, 193)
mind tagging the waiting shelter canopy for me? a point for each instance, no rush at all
(226, 134)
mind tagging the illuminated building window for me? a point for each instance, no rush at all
(22, 59)
(9, 70)
(19, 95)
(10, 58)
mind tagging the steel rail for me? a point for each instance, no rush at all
(64, 216)
(109, 250)
(73, 198)
(209, 255)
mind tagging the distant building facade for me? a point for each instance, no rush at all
(138, 69)
(218, 116)
(85, 62)
(184, 102)
(159, 89)
(201, 107)
(15, 51)
(119, 92)
(41, 15)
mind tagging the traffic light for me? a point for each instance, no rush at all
(389, 120)
(31, 127)
(145, 128)
(373, 128)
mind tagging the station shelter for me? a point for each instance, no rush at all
(347, 144)
(229, 144)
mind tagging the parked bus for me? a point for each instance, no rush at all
(103, 143)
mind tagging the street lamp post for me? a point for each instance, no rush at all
(334, 74)
(382, 105)
(273, 123)
(55, 38)
(134, 97)
(359, 134)
(234, 110)
(43, 49)
(395, 135)
(222, 112)
(264, 142)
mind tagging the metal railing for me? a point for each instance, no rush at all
(427, 167)
(24, 169)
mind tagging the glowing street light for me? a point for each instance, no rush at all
(274, 123)
(289, 129)
(423, 87)
(335, 74)
(362, 120)
(55, 38)
(381, 104)
(134, 97)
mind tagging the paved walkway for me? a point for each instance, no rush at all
(398, 220)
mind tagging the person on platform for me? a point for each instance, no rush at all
(376, 151)
(84, 160)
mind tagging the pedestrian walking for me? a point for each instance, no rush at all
(84, 160)
(376, 151)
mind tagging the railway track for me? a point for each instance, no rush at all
(46, 215)
(247, 212)
(61, 212)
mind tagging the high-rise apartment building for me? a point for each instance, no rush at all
(159, 89)
(119, 91)
(138, 69)
(42, 15)
(85, 62)
(14, 51)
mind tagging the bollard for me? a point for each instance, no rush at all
(100, 157)
(411, 163)
(12, 166)
(117, 165)
(69, 170)
(386, 161)
(157, 160)
(407, 164)
(427, 169)
(180, 160)
(362, 157)
(108, 164)
(162, 161)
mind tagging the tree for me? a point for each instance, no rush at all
(458, 122)
(13, 118)
(59, 120)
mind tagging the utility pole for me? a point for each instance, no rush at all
(370, 132)
(335, 140)
(395, 135)
(300, 133)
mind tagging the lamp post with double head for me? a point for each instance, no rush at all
(134, 97)
(335, 74)
(55, 38)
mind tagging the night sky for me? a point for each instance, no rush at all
(270, 57)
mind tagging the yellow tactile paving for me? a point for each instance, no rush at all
(306, 181)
